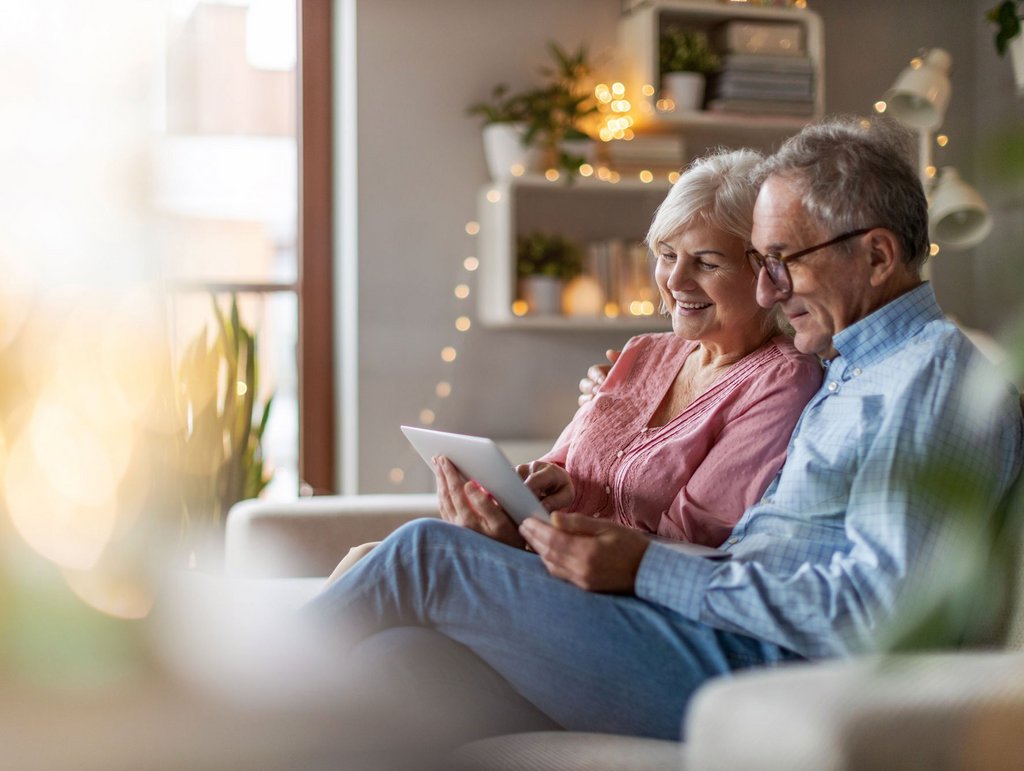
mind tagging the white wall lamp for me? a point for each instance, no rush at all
(958, 217)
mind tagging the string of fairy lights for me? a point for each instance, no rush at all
(616, 116)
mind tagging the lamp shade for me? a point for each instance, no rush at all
(957, 214)
(921, 92)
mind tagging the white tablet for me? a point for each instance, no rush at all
(481, 460)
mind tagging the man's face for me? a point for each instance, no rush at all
(830, 290)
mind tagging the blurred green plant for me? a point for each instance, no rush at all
(547, 254)
(683, 50)
(502, 107)
(221, 445)
(558, 109)
(1006, 16)
(553, 112)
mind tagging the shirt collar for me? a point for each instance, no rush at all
(890, 326)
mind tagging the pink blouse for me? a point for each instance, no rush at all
(692, 478)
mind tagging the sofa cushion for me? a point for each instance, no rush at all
(569, 751)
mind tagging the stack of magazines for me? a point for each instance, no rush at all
(765, 71)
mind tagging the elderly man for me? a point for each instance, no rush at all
(604, 630)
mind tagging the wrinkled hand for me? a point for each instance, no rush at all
(595, 377)
(594, 554)
(467, 504)
(550, 483)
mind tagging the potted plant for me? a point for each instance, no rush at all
(1007, 17)
(542, 127)
(544, 262)
(685, 60)
(221, 426)
(506, 146)
(558, 110)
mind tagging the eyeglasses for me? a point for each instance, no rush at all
(775, 263)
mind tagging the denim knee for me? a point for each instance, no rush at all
(425, 530)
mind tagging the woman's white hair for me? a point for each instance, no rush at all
(717, 190)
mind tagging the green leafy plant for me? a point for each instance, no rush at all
(558, 109)
(1006, 16)
(220, 444)
(502, 107)
(547, 254)
(552, 112)
(682, 50)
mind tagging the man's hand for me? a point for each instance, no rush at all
(467, 504)
(550, 483)
(595, 376)
(594, 554)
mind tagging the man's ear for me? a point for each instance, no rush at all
(884, 255)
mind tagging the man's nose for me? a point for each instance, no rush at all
(767, 293)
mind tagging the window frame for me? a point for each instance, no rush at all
(315, 246)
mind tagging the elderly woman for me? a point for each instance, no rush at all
(690, 425)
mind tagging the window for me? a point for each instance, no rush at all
(247, 99)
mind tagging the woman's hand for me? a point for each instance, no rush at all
(467, 504)
(550, 483)
(594, 554)
(595, 377)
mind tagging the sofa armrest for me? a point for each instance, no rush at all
(308, 536)
(929, 712)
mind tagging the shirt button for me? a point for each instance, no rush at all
(857, 371)
(734, 539)
(833, 386)
(618, 454)
(607, 489)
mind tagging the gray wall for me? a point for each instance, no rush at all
(421, 162)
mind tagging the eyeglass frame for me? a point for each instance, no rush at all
(758, 261)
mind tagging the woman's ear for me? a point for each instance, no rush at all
(885, 255)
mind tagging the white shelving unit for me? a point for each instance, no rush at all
(589, 209)
(583, 210)
(639, 32)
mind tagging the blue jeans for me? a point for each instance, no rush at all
(591, 662)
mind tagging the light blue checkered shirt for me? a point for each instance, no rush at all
(819, 562)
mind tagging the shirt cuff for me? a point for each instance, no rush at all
(673, 579)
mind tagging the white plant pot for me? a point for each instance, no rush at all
(1016, 46)
(543, 295)
(685, 89)
(506, 156)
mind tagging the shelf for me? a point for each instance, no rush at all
(585, 324)
(639, 31)
(587, 210)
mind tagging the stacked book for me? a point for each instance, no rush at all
(764, 71)
(657, 154)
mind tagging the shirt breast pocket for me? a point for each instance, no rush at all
(823, 459)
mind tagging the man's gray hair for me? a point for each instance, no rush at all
(854, 173)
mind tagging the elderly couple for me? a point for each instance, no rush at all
(724, 432)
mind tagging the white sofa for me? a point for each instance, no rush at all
(961, 710)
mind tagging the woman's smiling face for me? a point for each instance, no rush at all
(707, 286)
